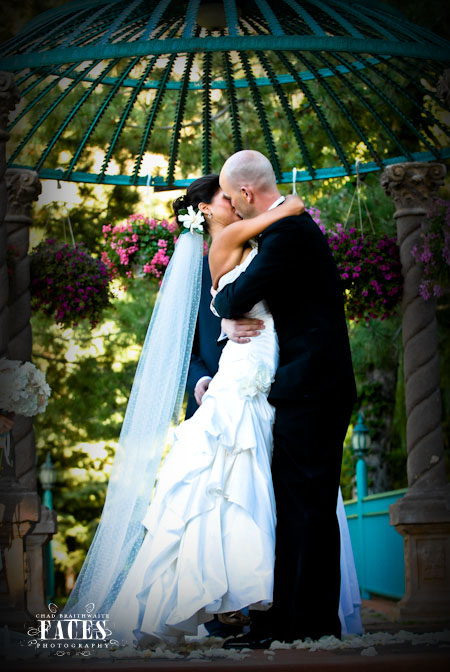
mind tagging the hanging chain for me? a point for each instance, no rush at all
(149, 195)
(361, 198)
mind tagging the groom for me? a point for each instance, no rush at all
(313, 393)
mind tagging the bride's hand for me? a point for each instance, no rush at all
(293, 204)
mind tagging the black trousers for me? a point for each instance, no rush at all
(306, 467)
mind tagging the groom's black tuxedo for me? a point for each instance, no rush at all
(313, 392)
(295, 273)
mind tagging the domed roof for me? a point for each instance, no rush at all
(316, 83)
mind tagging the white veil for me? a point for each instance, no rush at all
(155, 400)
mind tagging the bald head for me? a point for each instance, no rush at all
(250, 168)
(247, 178)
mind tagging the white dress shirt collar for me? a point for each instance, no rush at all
(277, 202)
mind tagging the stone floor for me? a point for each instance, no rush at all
(378, 613)
(387, 645)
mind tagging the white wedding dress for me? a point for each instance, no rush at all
(209, 546)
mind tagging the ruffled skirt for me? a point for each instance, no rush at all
(209, 545)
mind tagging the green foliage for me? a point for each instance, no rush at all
(376, 352)
(348, 468)
(92, 207)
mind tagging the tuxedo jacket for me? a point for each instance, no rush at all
(295, 273)
(206, 350)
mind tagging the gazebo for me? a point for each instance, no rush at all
(306, 68)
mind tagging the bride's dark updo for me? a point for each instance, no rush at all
(202, 190)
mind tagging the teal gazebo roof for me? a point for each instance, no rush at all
(318, 83)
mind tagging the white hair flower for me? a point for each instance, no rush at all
(192, 220)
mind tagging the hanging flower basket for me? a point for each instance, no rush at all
(370, 269)
(139, 247)
(68, 283)
(433, 251)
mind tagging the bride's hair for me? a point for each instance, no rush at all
(202, 190)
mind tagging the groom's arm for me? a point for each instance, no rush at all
(278, 245)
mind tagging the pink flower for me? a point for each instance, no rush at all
(424, 290)
(172, 226)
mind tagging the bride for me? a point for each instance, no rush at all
(210, 528)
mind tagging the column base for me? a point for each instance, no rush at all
(423, 519)
(423, 611)
(34, 547)
(19, 512)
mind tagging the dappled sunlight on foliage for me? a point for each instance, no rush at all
(91, 371)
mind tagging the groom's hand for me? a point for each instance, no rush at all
(201, 388)
(241, 330)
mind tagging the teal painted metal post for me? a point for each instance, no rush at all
(361, 490)
(48, 555)
(48, 477)
(361, 478)
(360, 445)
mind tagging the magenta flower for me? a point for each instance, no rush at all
(370, 269)
(432, 251)
(60, 275)
(148, 245)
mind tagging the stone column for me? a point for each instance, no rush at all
(422, 516)
(19, 507)
(9, 97)
(24, 524)
(23, 188)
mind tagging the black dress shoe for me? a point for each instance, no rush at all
(216, 628)
(251, 640)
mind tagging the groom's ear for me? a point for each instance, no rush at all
(247, 194)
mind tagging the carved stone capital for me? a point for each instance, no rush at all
(443, 88)
(412, 185)
(23, 188)
(9, 97)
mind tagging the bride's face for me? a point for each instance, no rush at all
(221, 209)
